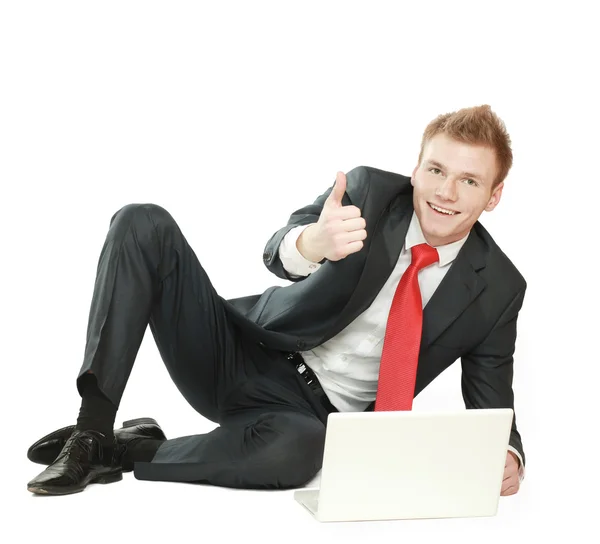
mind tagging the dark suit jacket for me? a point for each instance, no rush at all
(471, 316)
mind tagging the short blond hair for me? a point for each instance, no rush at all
(477, 125)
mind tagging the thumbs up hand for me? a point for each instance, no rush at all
(339, 231)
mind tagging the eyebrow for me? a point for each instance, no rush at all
(466, 174)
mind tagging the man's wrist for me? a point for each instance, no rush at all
(517, 456)
(305, 245)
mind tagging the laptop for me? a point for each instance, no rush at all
(411, 465)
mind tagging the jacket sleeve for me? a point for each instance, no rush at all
(305, 216)
(487, 370)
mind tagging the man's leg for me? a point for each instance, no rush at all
(148, 274)
(271, 435)
(268, 450)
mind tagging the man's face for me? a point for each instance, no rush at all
(453, 177)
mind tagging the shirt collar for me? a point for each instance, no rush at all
(415, 236)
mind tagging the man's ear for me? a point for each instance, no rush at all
(414, 173)
(495, 198)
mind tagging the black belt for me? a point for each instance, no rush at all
(311, 380)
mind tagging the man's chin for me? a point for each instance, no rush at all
(438, 236)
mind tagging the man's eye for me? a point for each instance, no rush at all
(470, 181)
(435, 170)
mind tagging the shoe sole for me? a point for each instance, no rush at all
(108, 478)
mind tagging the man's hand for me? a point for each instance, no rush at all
(510, 483)
(339, 231)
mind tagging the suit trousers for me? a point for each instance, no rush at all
(271, 426)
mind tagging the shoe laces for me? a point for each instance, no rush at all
(85, 440)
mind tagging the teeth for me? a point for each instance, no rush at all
(441, 210)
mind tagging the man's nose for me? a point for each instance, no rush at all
(448, 190)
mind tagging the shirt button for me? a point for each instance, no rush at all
(312, 266)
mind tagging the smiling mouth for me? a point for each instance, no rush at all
(442, 211)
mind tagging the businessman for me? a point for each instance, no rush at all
(391, 280)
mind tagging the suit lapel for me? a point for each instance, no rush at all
(383, 252)
(459, 288)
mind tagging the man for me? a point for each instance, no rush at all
(392, 279)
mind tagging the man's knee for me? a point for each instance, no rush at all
(143, 224)
(136, 212)
(296, 455)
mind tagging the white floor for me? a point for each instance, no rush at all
(157, 511)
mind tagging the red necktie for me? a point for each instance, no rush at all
(402, 342)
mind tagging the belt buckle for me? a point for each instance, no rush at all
(314, 384)
(301, 366)
(298, 361)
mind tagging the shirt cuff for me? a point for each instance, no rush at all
(521, 466)
(293, 261)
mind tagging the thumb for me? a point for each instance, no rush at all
(339, 189)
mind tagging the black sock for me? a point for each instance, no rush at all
(140, 450)
(97, 413)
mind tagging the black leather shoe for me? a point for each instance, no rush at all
(46, 449)
(79, 463)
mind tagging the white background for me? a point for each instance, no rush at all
(232, 115)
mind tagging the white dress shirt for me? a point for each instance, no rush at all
(347, 365)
